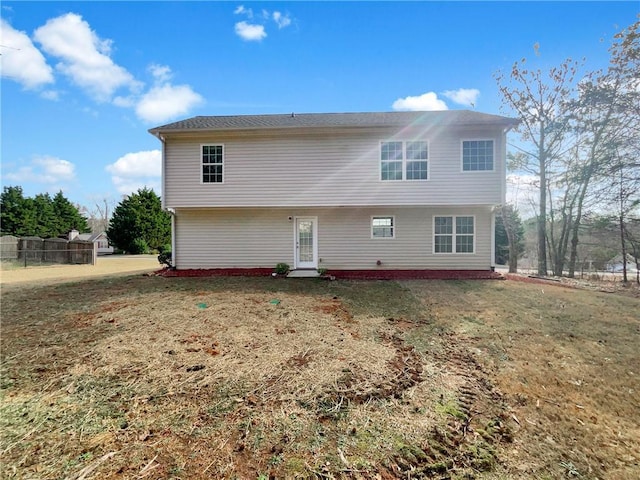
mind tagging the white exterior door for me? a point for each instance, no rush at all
(306, 242)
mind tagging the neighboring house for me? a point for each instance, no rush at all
(338, 191)
(615, 264)
(100, 239)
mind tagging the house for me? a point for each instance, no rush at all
(345, 192)
(615, 265)
(100, 239)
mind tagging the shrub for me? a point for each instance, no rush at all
(165, 257)
(282, 268)
(138, 246)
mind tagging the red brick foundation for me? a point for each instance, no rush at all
(346, 274)
(217, 272)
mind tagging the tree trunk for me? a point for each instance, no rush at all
(623, 249)
(542, 217)
(573, 256)
(511, 239)
(623, 244)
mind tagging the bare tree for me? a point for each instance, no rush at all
(607, 120)
(99, 215)
(539, 100)
(618, 90)
(514, 232)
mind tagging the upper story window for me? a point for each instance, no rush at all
(453, 234)
(212, 163)
(403, 160)
(477, 155)
(383, 227)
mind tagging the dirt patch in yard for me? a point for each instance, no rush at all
(150, 377)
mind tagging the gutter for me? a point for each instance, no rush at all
(172, 212)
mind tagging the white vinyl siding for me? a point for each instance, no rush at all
(340, 168)
(254, 238)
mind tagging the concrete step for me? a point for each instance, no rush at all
(303, 273)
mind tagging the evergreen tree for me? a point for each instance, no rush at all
(15, 212)
(45, 218)
(41, 216)
(67, 217)
(139, 221)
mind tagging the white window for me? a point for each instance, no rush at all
(391, 158)
(383, 227)
(404, 160)
(212, 163)
(477, 155)
(453, 234)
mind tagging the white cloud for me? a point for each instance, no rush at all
(256, 30)
(281, 20)
(125, 102)
(162, 73)
(147, 163)
(85, 58)
(426, 101)
(21, 60)
(463, 96)
(250, 32)
(127, 186)
(137, 170)
(44, 169)
(164, 102)
(53, 95)
(241, 10)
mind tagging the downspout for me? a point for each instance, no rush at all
(164, 176)
(171, 211)
(503, 183)
(493, 239)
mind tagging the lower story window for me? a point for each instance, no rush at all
(382, 227)
(453, 234)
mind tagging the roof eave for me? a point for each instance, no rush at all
(161, 131)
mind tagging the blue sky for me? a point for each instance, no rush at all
(82, 82)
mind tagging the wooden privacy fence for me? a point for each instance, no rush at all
(35, 250)
(8, 247)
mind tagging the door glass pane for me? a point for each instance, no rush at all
(305, 241)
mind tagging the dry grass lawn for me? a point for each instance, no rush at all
(256, 378)
(12, 273)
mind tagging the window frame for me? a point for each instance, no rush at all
(454, 234)
(393, 227)
(493, 154)
(202, 164)
(404, 161)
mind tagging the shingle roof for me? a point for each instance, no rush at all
(90, 237)
(327, 120)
